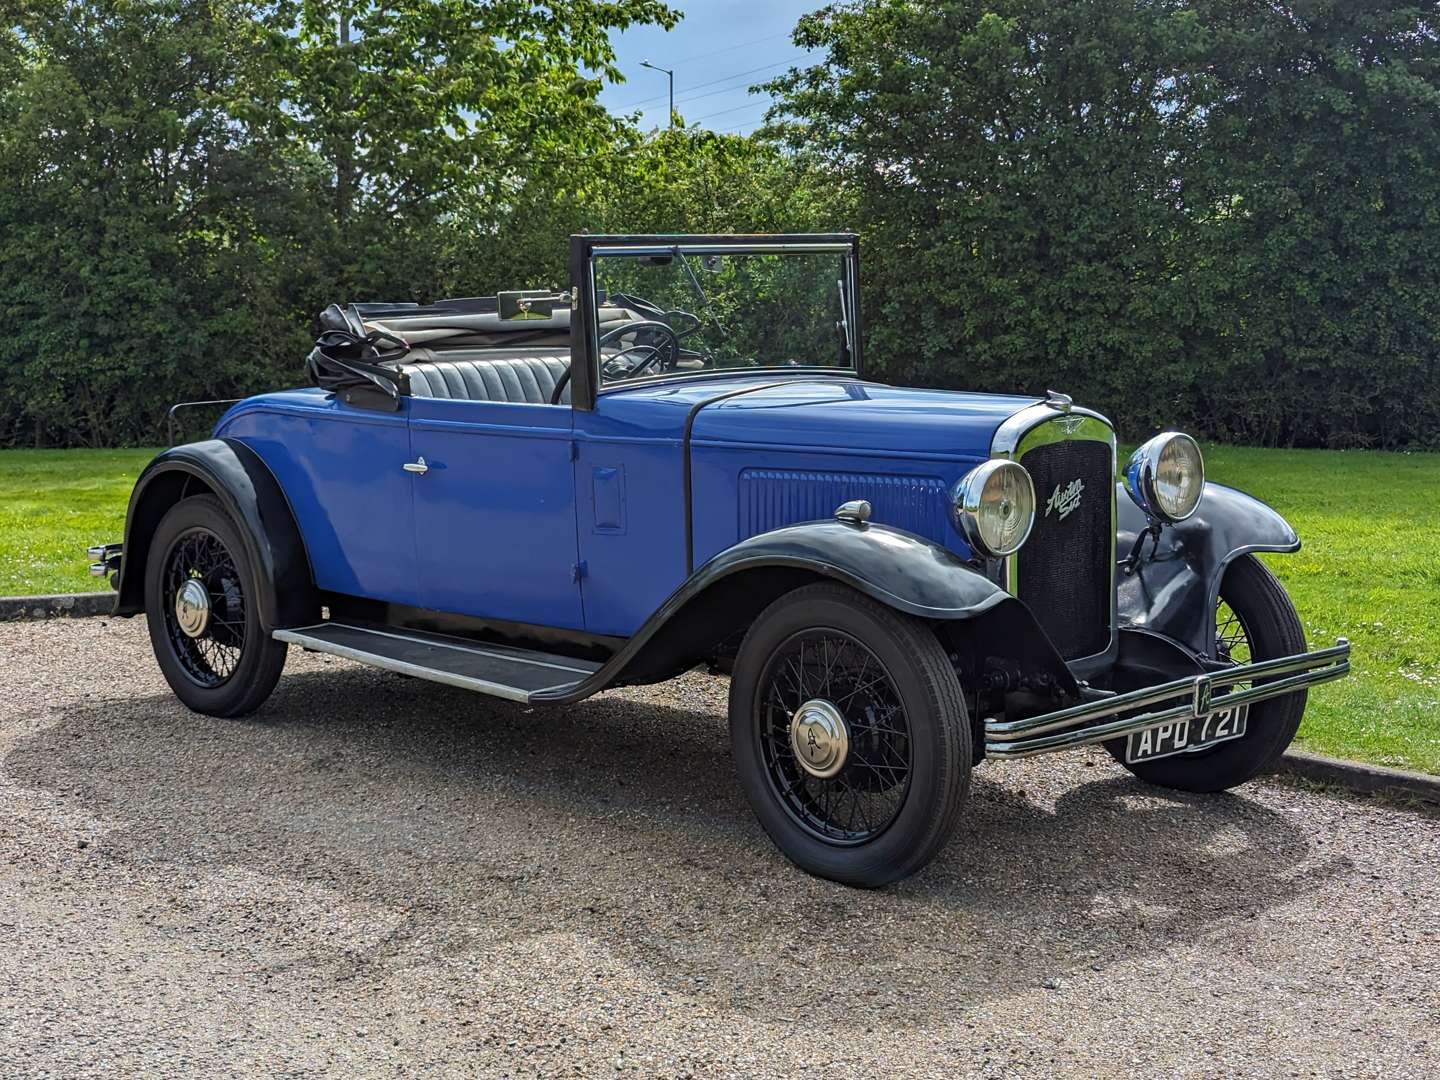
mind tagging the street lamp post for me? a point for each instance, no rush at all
(671, 76)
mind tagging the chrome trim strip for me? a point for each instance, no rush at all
(484, 686)
(1015, 427)
(1074, 726)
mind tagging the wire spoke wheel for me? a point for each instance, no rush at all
(1232, 638)
(203, 606)
(834, 736)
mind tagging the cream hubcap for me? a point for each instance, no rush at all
(192, 608)
(819, 737)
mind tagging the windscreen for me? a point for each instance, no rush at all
(676, 311)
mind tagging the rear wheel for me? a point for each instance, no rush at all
(200, 592)
(1254, 620)
(850, 735)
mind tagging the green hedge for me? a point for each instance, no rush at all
(1218, 214)
(1215, 215)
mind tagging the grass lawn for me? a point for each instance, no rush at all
(53, 505)
(1369, 570)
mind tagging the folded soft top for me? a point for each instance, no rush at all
(363, 345)
(510, 318)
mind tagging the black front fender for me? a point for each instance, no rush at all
(233, 473)
(1173, 589)
(899, 569)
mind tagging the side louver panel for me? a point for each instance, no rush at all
(772, 498)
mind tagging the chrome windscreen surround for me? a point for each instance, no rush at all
(1042, 424)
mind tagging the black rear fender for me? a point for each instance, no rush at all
(234, 474)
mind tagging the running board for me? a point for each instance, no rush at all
(498, 670)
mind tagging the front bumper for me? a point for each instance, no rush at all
(1153, 706)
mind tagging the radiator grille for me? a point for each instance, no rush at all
(1064, 571)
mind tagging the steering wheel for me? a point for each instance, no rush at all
(654, 351)
(670, 344)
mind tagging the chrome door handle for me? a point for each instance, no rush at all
(416, 467)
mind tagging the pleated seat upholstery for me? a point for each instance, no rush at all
(516, 379)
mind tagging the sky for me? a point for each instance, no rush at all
(718, 50)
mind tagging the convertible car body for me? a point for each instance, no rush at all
(679, 459)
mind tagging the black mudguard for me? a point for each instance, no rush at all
(899, 569)
(234, 474)
(1173, 589)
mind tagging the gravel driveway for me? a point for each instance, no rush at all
(379, 876)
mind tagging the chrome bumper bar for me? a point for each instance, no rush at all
(1182, 699)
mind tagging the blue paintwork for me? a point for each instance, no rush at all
(495, 515)
(878, 421)
(340, 468)
(773, 498)
(542, 514)
(630, 465)
(777, 455)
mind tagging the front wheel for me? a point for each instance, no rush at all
(1254, 620)
(200, 604)
(850, 735)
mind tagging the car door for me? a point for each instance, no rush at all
(495, 510)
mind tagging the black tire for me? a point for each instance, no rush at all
(1268, 627)
(231, 667)
(909, 717)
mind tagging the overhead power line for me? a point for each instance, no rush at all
(712, 82)
(732, 48)
(748, 105)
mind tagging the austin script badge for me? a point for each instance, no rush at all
(1064, 500)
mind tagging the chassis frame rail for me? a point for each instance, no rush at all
(1090, 722)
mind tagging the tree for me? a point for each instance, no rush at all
(183, 183)
(681, 180)
(418, 106)
(134, 252)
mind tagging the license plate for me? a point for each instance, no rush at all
(1185, 736)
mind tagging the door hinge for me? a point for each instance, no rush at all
(574, 450)
(578, 571)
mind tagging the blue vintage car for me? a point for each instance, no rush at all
(679, 460)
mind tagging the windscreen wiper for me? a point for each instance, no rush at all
(700, 292)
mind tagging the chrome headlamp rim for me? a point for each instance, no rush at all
(965, 501)
(1140, 473)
